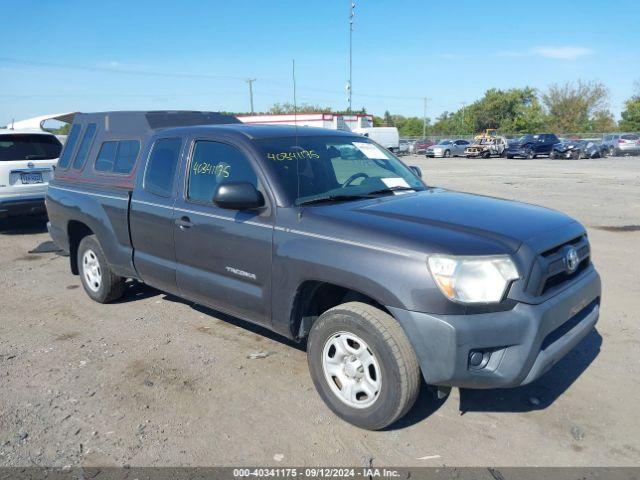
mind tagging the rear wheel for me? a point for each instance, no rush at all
(98, 280)
(363, 365)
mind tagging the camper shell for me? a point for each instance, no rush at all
(135, 127)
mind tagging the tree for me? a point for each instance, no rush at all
(388, 120)
(630, 120)
(288, 108)
(573, 107)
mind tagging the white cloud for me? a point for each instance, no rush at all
(562, 53)
(565, 52)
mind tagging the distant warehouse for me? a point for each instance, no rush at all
(335, 121)
(388, 137)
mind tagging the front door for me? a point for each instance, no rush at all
(223, 256)
(152, 222)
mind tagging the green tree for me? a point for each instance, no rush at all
(287, 108)
(630, 120)
(573, 107)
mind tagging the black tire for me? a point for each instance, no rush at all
(531, 155)
(552, 155)
(577, 155)
(486, 154)
(509, 157)
(399, 369)
(447, 154)
(613, 152)
(111, 286)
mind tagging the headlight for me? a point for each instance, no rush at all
(473, 279)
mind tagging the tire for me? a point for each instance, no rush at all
(577, 155)
(509, 157)
(552, 155)
(386, 350)
(531, 155)
(486, 154)
(613, 152)
(100, 283)
(447, 154)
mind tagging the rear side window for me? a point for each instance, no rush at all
(69, 146)
(213, 164)
(161, 169)
(85, 144)
(29, 147)
(117, 157)
(106, 157)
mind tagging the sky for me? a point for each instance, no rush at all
(71, 55)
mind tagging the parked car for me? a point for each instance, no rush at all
(381, 277)
(578, 149)
(447, 148)
(486, 147)
(27, 160)
(404, 147)
(622, 144)
(420, 146)
(530, 146)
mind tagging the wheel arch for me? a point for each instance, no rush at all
(314, 297)
(76, 231)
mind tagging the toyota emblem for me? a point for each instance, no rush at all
(30, 165)
(572, 260)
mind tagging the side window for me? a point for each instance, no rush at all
(214, 163)
(106, 157)
(69, 146)
(85, 144)
(161, 168)
(126, 156)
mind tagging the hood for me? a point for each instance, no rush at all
(453, 222)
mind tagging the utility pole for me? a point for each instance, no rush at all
(250, 82)
(464, 104)
(349, 84)
(424, 119)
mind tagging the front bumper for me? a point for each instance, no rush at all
(518, 346)
(520, 152)
(434, 154)
(21, 205)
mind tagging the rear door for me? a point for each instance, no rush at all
(151, 220)
(223, 256)
(26, 163)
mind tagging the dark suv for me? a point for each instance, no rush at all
(326, 238)
(530, 146)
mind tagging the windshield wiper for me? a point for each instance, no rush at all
(397, 188)
(332, 198)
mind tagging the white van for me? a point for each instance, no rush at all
(388, 137)
(27, 161)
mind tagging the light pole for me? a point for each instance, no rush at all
(349, 84)
(250, 82)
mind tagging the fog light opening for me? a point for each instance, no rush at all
(478, 359)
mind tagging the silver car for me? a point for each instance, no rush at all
(622, 144)
(448, 148)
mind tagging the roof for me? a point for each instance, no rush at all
(26, 131)
(261, 131)
(36, 123)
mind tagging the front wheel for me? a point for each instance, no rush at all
(363, 365)
(98, 280)
(447, 154)
(552, 155)
(531, 155)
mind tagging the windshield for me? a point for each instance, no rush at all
(444, 142)
(527, 138)
(28, 147)
(310, 169)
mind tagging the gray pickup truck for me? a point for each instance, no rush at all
(326, 238)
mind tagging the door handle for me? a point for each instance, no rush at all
(184, 223)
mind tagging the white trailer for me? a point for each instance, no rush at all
(388, 137)
(334, 121)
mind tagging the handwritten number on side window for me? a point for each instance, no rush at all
(205, 168)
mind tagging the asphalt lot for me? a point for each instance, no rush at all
(155, 381)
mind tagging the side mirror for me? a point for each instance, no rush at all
(416, 170)
(238, 196)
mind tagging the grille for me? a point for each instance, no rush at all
(551, 267)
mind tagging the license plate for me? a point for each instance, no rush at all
(30, 178)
